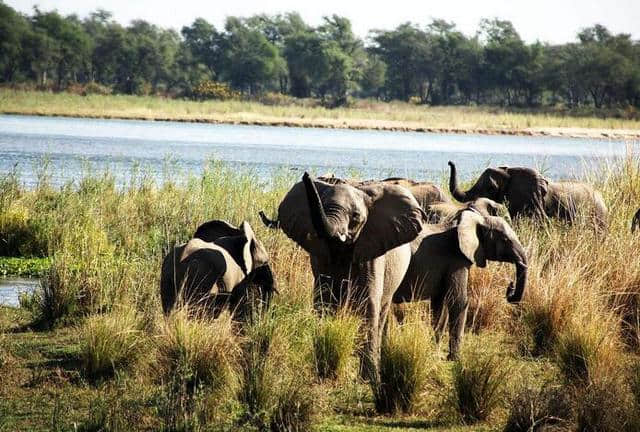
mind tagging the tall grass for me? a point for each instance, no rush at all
(106, 242)
(334, 342)
(479, 380)
(407, 359)
(111, 341)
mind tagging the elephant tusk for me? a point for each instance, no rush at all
(342, 237)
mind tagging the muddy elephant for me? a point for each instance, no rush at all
(357, 237)
(442, 255)
(218, 268)
(447, 211)
(527, 193)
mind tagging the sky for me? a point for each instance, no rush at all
(553, 21)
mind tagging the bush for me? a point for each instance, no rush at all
(213, 90)
(533, 409)
(478, 383)
(604, 406)
(406, 356)
(94, 88)
(110, 341)
(334, 342)
(276, 391)
(199, 351)
(20, 234)
(587, 348)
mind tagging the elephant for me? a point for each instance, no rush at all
(425, 193)
(446, 211)
(442, 255)
(635, 222)
(216, 269)
(527, 193)
(357, 237)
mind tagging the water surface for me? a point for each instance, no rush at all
(12, 287)
(73, 146)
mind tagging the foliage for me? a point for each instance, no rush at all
(533, 409)
(404, 367)
(433, 63)
(334, 342)
(32, 267)
(110, 341)
(212, 90)
(478, 382)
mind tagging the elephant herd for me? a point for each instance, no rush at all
(376, 243)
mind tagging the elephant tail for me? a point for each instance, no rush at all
(635, 222)
(269, 223)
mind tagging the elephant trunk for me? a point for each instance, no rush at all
(269, 223)
(515, 294)
(321, 224)
(453, 185)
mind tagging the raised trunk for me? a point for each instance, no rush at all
(318, 217)
(453, 185)
(514, 295)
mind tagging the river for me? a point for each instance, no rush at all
(70, 147)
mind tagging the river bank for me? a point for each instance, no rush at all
(364, 115)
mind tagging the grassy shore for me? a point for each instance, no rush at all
(364, 114)
(92, 350)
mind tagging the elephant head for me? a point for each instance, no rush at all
(490, 238)
(523, 189)
(364, 221)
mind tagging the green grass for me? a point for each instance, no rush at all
(30, 267)
(363, 114)
(106, 243)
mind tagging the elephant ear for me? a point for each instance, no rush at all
(526, 191)
(253, 253)
(469, 227)
(294, 215)
(395, 218)
(214, 229)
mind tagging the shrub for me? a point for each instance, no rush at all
(21, 234)
(276, 391)
(604, 406)
(197, 350)
(536, 409)
(110, 341)
(334, 342)
(587, 348)
(406, 355)
(213, 90)
(478, 383)
(94, 88)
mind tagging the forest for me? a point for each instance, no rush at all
(431, 64)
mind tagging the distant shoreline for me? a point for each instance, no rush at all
(372, 115)
(383, 125)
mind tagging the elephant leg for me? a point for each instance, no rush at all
(458, 305)
(439, 317)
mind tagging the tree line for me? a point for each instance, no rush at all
(434, 64)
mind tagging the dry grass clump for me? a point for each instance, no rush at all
(334, 343)
(111, 341)
(479, 379)
(537, 409)
(407, 358)
(276, 390)
(199, 350)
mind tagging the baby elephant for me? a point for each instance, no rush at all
(216, 269)
(439, 269)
